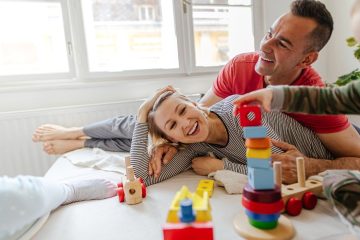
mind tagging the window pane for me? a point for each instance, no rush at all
(130, 35)
(221, 32)
(229, 2)
(32, 38)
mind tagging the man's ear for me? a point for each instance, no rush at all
(309, 59)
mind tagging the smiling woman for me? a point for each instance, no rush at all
(172, 118)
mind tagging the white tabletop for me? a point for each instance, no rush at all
(108, 219)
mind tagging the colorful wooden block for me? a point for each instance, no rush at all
(201, 205)
(259, 162)
(250, 115)
(254, 132)
(263, 225)
(205, 185)
(258, 143)
(262, 208)
(194, 231)
(261, 178)
(258, 153)
(264, 196)
(262, 217)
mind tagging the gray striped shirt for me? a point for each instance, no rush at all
(279, 126)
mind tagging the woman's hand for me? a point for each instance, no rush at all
(205, 165)
(262, 96)
(149, 103)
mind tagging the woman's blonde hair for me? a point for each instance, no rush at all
(157, 136)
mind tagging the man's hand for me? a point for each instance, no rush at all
(288, 160)
(205, 165)
(161, 154)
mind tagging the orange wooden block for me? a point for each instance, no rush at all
(258, 143)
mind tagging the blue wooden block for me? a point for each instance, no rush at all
(262, 217)
(259, 162)
(261, 178)
(255, 132)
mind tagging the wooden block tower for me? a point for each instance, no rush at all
(261, 199)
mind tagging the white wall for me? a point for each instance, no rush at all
(83, 93)
(340, 58)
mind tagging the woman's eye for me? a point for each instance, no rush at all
(182, 111)
(268, 35)
(173, 125)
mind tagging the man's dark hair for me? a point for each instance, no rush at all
(317, 11)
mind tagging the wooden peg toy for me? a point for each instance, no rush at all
(302, 194)
(133, 189)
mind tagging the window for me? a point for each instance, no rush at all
(146, 13)
(32, 38)
(128, 35)
(87, 39)
(222, 29)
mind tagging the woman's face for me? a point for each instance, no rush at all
(181, 120)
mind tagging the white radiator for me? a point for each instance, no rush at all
(19, 155)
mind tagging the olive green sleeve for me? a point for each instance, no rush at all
(315, 100)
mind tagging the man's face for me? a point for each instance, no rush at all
(282, 50)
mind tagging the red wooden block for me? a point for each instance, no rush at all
(309, 200)
(250, 115)
(262, 208)
(262, 196)
(121, 195)
(258, 143)
(194, 231)
(293, 206)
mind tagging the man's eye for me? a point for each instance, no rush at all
(173, 125)
(282, 44)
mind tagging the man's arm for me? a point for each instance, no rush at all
(315, 166)
(345, 143)
(209, 98)
(312, 166)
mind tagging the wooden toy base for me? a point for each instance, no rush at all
(283, 231)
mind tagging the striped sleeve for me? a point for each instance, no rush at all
(140, 158)
(235, 167)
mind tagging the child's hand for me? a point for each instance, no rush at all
(262, 96)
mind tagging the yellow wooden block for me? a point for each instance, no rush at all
(258, 153)
(201, 205)
(205, 185)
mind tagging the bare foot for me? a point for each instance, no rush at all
(55, 132)
(56, 147)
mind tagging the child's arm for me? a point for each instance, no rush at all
(312, 100)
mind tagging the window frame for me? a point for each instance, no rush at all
(74, 29)
(71, 74)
